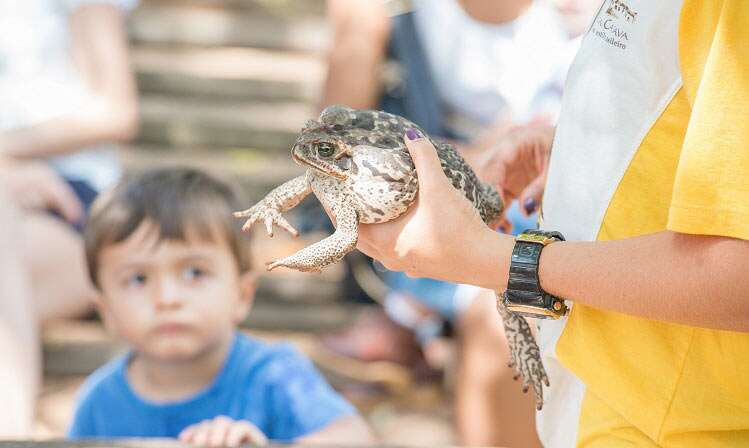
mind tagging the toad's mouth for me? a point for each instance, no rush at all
(319, 167)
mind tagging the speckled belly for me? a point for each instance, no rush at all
(381, 200)
(374, 199)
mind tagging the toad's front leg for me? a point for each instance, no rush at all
(331, 249)
(282, 198)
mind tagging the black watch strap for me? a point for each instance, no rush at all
(524, 294)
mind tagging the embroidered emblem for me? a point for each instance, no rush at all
(614, 24)
(619, 7)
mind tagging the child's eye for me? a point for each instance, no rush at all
(194, 273)
(138, 279)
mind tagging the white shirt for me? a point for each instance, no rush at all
(624, 76)
(485, 72)
(39, 82)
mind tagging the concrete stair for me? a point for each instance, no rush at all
(228, 73)
(278, 24)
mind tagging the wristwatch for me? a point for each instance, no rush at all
(524, 294)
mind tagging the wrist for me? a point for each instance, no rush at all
(546, 263)
(493, 254)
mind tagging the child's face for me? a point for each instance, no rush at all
(172, 300)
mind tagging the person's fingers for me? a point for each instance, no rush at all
(65, 202)
(506, 196)
(363, 242)
(237, 435)
(505, 226)
(201, 433)
(187, 434)
(424, 156)
(243, 432)
(58, 196)
(530, 198)
(219, 431)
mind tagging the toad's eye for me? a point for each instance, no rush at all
(325, 149)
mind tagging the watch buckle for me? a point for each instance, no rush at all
(559, 309)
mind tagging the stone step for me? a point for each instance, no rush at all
(194, 122)
(286, 8)
(255, 172)
(228, 73)
(278, 24)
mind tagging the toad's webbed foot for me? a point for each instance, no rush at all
(268, 215)
(327, 251)
(524, 352)
(280, 199)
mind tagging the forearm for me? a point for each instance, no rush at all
(99, 49)
(18, 332)
(687, 279)
(360, 35)
(68, 133)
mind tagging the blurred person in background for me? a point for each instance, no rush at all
(176, 279)
(67, 95)
(483, 74)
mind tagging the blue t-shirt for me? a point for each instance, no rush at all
(270, 385)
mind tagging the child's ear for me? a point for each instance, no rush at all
(247, 285)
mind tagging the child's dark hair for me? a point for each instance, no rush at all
(175, 200)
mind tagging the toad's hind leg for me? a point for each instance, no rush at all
(524, 352)
(329, 250)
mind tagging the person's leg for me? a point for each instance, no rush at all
(54, 254)
(490, 407)
(19, 347)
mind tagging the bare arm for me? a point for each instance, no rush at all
(99, 45)
(688, 279)
(360, 33)
(349, 430)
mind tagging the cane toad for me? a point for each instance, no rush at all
(358, 166)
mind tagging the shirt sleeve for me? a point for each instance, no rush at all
(83, 422)
(301, 401)
(711, 189)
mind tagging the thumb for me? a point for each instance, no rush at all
(530, 198)
(424, 155)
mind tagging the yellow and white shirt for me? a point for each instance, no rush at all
(653, 135)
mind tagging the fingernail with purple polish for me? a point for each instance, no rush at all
(413, 134)
(530, 205)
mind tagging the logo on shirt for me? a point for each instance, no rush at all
(617, 9)
(613, 26)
